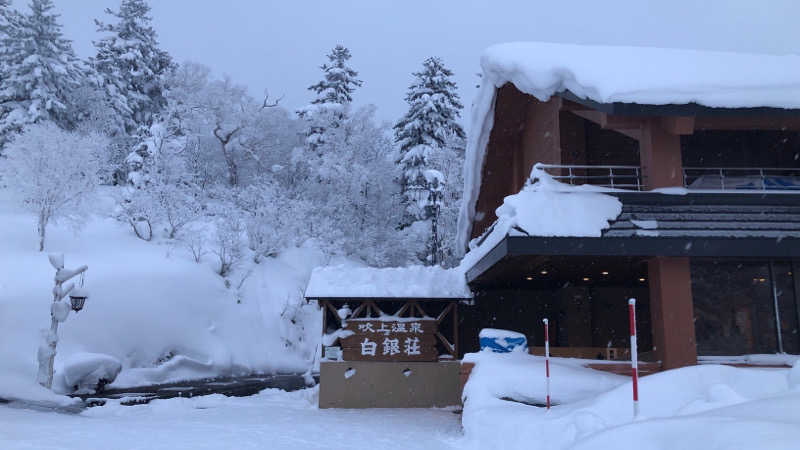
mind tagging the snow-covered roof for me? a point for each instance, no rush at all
(545, 207)
(606, 74)
(403, 282)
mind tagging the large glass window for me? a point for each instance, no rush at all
(738, 306)
(787, 307)
(733, 308)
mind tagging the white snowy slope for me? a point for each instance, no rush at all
(163, 316)
(272, 419)
(406, 282)
(696, 407)
(621, 74)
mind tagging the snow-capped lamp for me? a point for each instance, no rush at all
(78, 296)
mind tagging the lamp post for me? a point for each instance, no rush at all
(59, 310)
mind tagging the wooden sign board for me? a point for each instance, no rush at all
(390, 340)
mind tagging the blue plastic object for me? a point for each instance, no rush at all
(501, 341)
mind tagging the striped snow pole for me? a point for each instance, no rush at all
(634, 356)
(547, 357)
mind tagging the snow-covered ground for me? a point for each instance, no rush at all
(163, 316)
(700, 407)
(273, 419)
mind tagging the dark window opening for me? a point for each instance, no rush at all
(738, 306)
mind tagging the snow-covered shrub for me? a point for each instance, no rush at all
(138, 208)
(54, 170)
(227, 243)
(196, 243)
(87, 373)
(269, 218)
(177, 207)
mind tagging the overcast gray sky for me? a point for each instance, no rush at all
(280, 44)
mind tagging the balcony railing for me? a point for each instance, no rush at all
(742, 178)
(695, 178)
(615, 177)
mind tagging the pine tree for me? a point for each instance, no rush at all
(334, 95)
(340, 80)
(132, 66)
(39, 70)
(426, 128)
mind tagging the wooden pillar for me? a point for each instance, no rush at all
(672, 311)
(660, 155)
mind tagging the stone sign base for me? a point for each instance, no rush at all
(370, 384)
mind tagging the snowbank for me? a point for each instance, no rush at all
(621, 74)
(405, 282)
(745, 408)
(82, 372)
(163, 316)
(545, 207)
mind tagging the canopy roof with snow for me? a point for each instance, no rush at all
(621, 80)
(414, 282)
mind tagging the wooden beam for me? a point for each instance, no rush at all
(611, 122)
(788, 123)
(455, 328)
(680, 125)
(569, 105)
(444, 312)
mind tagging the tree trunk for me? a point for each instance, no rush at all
(42, 229)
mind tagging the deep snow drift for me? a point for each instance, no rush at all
(696, 407)
(163, 316)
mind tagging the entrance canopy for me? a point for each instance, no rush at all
(678, 224)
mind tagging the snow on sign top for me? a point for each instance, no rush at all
(404, 282)
(607, 74)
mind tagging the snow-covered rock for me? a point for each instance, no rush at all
(86, 372)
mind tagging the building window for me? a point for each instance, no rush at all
(738, 305)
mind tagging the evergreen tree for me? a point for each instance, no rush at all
(334, 95)
(39, 70)
(132, 66)
(425, 130)
(340, 80)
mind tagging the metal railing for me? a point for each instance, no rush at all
(742, 178)
(615, 177)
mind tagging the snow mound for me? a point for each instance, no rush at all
(83, 372)
(401, 282)
(745, 408)
(608, 74)
(545, 207)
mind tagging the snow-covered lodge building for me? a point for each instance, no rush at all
(671, 176)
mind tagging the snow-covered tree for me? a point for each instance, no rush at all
(427, 127)
(39, 70)
(333, 94)
(340, 80)
(131, 65)
(54, 170)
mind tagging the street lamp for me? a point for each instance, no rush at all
(59, 310)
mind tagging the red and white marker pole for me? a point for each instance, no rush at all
(634, 356)
(547, 357)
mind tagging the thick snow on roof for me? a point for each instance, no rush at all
(608, 74)
(403, 282)
(545, 207)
